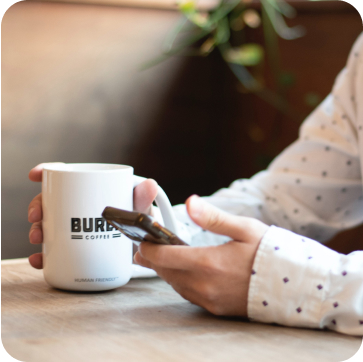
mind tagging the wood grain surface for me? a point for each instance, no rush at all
(142, 321)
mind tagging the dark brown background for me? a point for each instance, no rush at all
(72, 92)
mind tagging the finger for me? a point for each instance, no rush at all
(171, 276)
(138, 259)
(174, 277)
(144, 195)
(35, 209)
(180, 280)
(172, 256)
(36, 260)
(184, 284)
(218, 221)
(36, 233)
(188, 294)
(36, 172)
(164, 273)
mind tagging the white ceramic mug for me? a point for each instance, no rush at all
(80, 250)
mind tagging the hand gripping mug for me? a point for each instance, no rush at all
(80, 250)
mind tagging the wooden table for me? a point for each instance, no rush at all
(142, 321)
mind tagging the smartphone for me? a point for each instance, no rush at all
(140, 227)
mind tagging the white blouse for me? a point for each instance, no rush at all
(313, 188)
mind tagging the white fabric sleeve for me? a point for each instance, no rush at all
(314, 187)
(297, 281)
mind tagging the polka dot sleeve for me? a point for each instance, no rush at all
(310, 192)
(296, 281)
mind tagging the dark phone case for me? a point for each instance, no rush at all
(155, 232)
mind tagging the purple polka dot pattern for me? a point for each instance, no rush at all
(253, 272)
(315, 189)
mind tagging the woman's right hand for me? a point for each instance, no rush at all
(144, 195)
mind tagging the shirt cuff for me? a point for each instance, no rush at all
(289, 279)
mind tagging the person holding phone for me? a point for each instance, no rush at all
(257, 245)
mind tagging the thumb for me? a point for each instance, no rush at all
(144, 195)
(216, 220)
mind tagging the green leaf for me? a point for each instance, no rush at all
(199, 19)
(222, 31)
(223, 10)
(176, 50)
(283, 7)
(247, 54)
(279, 24)
(187, 7)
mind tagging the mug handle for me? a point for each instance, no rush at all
(164, 204)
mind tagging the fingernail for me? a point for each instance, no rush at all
(136, 256)
(195, 205)
(31, 238)
(35, 237)
(30, 212)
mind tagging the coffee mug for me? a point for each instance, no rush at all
(80, 250)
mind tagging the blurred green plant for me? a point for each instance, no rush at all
(214, 28)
